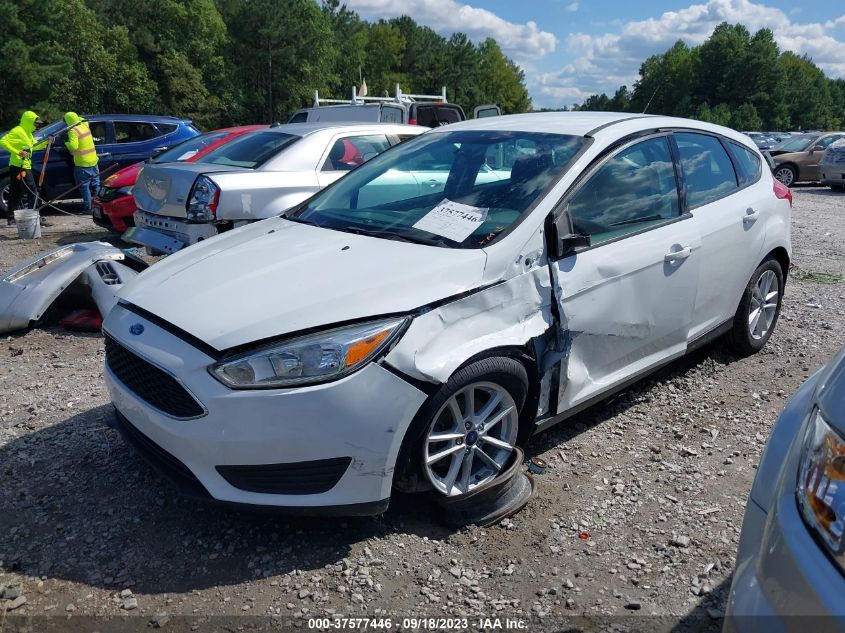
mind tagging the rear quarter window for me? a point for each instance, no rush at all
(748, 164)
(167, 128)
(708, 170)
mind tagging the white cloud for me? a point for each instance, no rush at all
(600, 63)
(572, 7)
(449, 16)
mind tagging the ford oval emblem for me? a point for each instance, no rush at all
(136, 329)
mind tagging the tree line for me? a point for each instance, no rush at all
(736, 79)
(224, 62)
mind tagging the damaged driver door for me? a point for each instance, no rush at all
(626, 295)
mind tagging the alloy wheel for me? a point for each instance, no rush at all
(785, 175)
(764, 305)
(471, 438)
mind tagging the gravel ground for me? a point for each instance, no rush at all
(656, 481)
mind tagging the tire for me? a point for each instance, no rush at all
(415, 472)
(747, 335)
(4, 195)
(787, 174)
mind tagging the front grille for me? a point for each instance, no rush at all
(151, 384)
(297, 478)
(160, 459)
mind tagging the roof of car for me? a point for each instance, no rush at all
(577, 123)
(135, 118)
(303, 129)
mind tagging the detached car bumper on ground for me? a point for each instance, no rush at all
(790, 571)
(411, 324)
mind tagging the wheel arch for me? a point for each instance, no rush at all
(781, 256)
(405, 478)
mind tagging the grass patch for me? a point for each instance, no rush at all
(819, 277)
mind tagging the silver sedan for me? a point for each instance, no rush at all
(254, 177)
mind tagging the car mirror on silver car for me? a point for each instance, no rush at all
(566, 243)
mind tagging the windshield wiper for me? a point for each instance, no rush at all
(389, 235)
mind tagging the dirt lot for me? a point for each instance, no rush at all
(658, 479)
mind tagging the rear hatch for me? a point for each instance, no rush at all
(164, 188)
(435, 114)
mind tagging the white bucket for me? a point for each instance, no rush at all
(28, 223)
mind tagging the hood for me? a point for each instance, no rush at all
(72, 118)
(164, 188)
(28, 120)
(126, 177)
(275, 277)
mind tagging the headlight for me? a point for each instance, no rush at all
(44, 260)
(310, 359)
(202, 205)
(821, 485)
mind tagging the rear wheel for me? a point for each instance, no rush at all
(787, 174)
(758, 310)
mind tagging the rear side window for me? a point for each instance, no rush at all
(347, 153)
(747, 163)
(128, 132)
(437, 115)
(708, 170)
(299, 117)
(390, 114)
(166, 128)
(633, 190)
(250, 150)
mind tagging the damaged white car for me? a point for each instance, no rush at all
(363, 343)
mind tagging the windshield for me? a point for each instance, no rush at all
(190, 148)
(452, 189)
(796, 143)
(250, 150)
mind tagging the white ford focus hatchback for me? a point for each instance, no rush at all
(520, 269)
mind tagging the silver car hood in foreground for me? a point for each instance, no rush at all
(164, 188)
(276, 277)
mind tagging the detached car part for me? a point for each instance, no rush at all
(29, 289)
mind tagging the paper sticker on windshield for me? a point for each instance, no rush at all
(189, 154)
(452, 220)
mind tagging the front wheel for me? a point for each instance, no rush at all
(4, 195)
(787, 174)
(758, 309)
(466, 432)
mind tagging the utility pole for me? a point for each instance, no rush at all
(270, 77)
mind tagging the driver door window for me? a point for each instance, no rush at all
(632, 191)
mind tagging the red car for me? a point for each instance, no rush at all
(114, 205)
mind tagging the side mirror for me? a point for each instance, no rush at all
(816, 148)
(565, 243)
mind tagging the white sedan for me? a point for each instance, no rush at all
(365, 342)
(256, 176)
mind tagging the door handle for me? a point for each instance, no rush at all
(431, 183)
(750, 215)
(677, 256)
(104, 154)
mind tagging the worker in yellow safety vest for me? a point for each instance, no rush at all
(20, 143)
(80, 144)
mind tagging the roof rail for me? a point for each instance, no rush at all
(399, 97)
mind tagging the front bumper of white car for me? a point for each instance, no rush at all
(322, 448)
(166, 235)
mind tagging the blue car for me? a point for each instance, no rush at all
(791, 559)
(121, 140)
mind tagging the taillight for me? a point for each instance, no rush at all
(782, 192)
(202, 205)
(412, 121)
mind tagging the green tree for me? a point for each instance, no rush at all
(502, 81)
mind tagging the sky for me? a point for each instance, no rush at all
(570, 49)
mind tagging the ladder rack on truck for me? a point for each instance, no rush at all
(399, 97)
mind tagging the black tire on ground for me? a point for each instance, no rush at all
(787, 174)
(506, 372)
(740, 338)
(4, 195)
